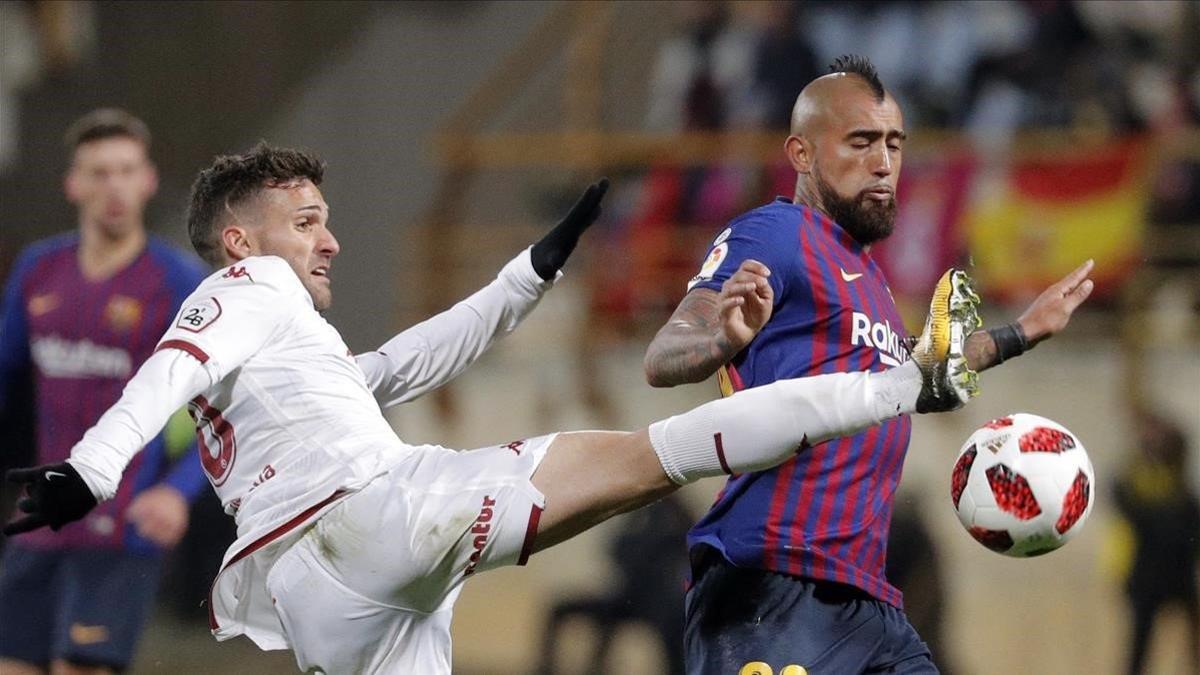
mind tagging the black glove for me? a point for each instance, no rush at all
(550, 254)
(54, 495)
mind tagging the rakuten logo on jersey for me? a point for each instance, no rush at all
(879, 335)
(57, 357)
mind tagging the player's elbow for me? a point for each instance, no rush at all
(655, 376)
(656, 380)
(660, 374)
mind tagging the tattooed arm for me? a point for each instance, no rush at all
(709, 328)
(981, 352)
(1048, 315)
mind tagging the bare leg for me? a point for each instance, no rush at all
(591, 476)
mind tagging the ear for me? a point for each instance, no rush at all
(71, 186)
(151, 186)
(236, 242)
(799, 153)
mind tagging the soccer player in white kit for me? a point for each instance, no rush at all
(353, 545)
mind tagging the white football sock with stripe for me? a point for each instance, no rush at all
(762, 427)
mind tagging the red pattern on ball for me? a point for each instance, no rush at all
(1000, 423)
(1045, 439)
(997, 540)
(962, 469)
(1012, 492)
(1074, 503)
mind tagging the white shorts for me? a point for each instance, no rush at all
(371, 586)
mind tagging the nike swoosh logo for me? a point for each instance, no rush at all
(846, 276)
(42, 304)
(52, 474)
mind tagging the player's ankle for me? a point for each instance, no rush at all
(895, 391)
(685, 457)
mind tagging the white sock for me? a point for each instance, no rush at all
(762, 427)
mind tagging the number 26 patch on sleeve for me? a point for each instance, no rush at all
(199, 315)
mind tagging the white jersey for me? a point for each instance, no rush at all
(289, 422)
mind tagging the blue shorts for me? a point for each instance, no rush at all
(84, 606)
(755, 622)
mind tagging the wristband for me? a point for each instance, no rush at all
(1010, 341)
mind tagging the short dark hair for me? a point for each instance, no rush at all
(853, 64)
(234, 179)
(106, 123)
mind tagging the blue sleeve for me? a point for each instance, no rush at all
(755, 236)
(14, 329)
(184, 272)
(187, 476)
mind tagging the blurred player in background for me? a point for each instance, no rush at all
(81, 312)
(798, 550)
(648, 565)
(1163, 514)
(353, 545)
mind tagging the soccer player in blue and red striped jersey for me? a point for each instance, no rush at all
(81, 312)
(788, 565)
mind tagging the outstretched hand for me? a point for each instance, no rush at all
(551, 252)
(746, 302)
(160, 514)
(1051, 311)
(55, 495)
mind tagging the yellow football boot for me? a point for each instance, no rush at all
(947, 383)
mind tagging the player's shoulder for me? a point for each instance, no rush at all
(270, 268)
(261, 274)
(44, 249)
(175, 260)
(778, 219)
(181, 270)
(258, 289)
(59, 249)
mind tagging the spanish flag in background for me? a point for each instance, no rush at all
(1034, 220)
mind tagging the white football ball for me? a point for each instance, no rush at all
(1022, 485)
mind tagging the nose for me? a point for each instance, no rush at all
(882, 162)
(110, 181)
(328, 244)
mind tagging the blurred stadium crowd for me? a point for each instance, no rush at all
(1007, 97)
(980, 73)
(991, 68)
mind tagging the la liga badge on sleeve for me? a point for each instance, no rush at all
(715, 257)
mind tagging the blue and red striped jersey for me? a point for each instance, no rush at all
(82, 340)
(824, 514)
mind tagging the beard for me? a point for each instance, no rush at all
(867, 220)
